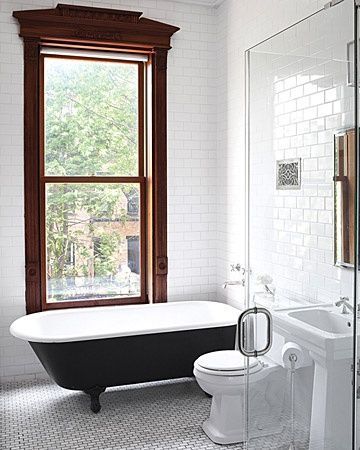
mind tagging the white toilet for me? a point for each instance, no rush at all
(222, 374)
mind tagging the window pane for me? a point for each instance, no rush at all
(92, 241)
(91, 118)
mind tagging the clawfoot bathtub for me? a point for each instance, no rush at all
(90, 349)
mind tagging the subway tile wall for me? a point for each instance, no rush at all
(299, 100)
(240, 25)
(191, 165)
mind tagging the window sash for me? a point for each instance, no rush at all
(142, 104)
(92, 302)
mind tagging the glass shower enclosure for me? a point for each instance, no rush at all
(302, 186)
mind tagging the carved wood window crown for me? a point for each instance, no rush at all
(71, 28)
(81, 24)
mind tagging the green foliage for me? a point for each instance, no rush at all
(104, 254)
(91, 118)
(90, 129)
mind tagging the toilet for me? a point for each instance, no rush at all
(222, 375)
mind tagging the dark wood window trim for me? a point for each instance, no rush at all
(106, 29)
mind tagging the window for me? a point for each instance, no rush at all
(92, 175)
(95, 157)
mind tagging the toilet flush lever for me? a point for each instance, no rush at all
(246, 334)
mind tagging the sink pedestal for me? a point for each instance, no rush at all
(331, 404)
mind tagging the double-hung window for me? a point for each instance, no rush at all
(92, 183)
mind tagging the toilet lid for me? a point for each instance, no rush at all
(226, 360)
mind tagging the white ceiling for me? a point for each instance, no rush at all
(211, 3)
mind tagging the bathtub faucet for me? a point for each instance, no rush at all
(234, 283)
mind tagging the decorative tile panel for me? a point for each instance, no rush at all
(288, 174)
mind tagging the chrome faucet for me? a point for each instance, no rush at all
(234, 283)
(236, 268)
(344, 302)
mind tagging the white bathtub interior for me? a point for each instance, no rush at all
(80, 324)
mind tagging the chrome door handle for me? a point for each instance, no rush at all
(243, 335)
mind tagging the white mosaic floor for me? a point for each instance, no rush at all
(158, 416)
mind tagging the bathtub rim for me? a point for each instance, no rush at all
(16, 328)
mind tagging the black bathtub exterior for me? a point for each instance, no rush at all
(93, 365)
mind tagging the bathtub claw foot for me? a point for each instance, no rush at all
(95, 397)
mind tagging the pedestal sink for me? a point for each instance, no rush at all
(324, 320)
(328, 335)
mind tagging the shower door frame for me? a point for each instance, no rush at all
(356, 365)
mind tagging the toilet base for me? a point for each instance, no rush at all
(226, 424)
(228, 418)
(213, 433)
(227, 421)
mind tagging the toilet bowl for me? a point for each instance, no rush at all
(222, 375)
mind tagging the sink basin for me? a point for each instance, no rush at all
(324, 320)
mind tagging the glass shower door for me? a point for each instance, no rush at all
(301, 149)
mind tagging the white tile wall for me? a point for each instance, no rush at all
(241, 25)
(206, 149)
(297, 80)
(192, 163)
